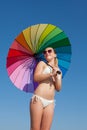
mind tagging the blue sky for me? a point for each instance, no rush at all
(71, 102)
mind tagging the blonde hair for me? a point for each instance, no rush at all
(56, 59)
(56, 62)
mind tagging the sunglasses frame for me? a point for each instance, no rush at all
(49, 51)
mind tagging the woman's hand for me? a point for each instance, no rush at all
(57, 78)
(56, 71)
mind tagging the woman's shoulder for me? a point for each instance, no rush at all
(41, 63)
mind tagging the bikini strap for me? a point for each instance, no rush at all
(58, 72)
(49, 65)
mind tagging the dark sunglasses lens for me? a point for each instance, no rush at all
(49, 51)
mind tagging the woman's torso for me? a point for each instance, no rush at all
(46, 88)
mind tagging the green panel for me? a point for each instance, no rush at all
(52, 34)
(55, 39)
(61, 43)
(47, 30)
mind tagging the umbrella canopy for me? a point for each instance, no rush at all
(26, 51)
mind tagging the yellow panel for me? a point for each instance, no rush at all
(21, 40)
(34, 30)
(47, 30)
(39, 32)
(27, 35)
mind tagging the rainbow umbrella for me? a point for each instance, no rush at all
(26, 51)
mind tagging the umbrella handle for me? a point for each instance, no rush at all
(58, 72)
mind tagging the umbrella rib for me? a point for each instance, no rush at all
(18, 66)
(20, 71)
(63, 67)
(36, 34)
(20, 44)
(25, 56)
(30, 39)
(21, 56)
(53, 43)
(42, 33)
(51, 38)
(23, 46)
(46, 35)
(64, 59)
(20, 51)
(25, 53)
(23, 77)
(25, 70)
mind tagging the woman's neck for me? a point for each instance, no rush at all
(51, 63)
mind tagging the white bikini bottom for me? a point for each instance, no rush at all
(45, 102)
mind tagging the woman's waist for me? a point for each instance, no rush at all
(47, 92)
(43, 98)
(48, 97)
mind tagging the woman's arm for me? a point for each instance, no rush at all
(38, 75)
(58, 81)
(57, 78)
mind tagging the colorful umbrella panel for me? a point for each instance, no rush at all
(26, 51)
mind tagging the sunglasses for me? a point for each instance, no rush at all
(49, 51)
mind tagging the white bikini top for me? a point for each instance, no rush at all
(47, 70)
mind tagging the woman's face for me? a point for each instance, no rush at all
(49, 54)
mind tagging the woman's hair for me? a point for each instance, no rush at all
(56, 59)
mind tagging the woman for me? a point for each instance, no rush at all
(42, 103)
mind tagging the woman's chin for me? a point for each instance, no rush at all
(48, 59)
